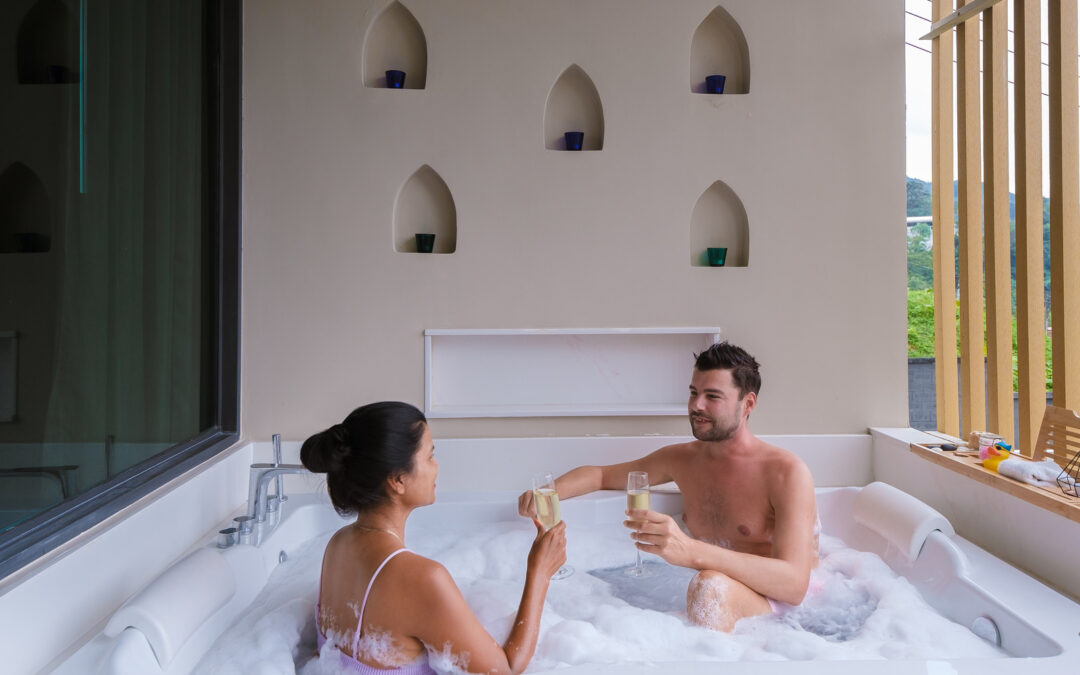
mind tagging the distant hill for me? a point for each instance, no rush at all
(919, 237)
(918, 200)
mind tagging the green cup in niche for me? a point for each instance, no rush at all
(425, 243)
(717, 256)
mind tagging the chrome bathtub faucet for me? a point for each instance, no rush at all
(261, 476)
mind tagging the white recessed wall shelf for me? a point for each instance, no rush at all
(395, 41)
(719, 48)
(573, 104)
(425, 205)
(558, 372)
(719, 220)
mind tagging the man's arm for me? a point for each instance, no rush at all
(784, 576)
(586, 479)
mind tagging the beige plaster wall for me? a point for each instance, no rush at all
(333, 317)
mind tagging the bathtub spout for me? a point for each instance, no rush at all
(260, 478)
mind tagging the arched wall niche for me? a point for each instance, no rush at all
(25, 225)
(425, 205)
(719, 221)
(719, 48)
(46, 45)
(395, 41)
(573, 104)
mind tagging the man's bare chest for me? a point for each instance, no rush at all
(734, 511)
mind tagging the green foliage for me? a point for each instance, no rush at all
(920, 324)
(921, 276)
(920, 312)
(920, 257)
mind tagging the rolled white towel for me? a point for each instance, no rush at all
(1041, 474)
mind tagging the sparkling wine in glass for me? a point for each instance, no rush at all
(548, 511)
(637, 499)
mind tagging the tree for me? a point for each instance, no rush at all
(920, 259)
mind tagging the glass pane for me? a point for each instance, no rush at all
(104, 275)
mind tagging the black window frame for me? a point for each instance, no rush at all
(51, 529)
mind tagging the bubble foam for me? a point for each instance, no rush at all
(858, 608)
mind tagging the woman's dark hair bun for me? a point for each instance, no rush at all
(375, 442)
(327, 450)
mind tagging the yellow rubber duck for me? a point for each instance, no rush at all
(995, 454)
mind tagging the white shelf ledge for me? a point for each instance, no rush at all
(560, 372)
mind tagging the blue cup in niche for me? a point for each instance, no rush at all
(717, 256)
(59, 74)
(714, 84)
(395, 79)
(425, 243)
(574, 139)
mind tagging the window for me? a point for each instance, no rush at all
(119, 257)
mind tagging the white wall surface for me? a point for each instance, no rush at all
(333, 317)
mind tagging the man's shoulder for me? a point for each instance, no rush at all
(784, 464)
(677, 451)
(780, 457)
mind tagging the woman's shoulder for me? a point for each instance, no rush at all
(419, 568)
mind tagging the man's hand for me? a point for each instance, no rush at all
(526, 505)
(657, 533)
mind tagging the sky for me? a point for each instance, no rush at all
(917, 61)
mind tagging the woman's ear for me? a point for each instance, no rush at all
(396, 483)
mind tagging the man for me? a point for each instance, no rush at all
(748, 505)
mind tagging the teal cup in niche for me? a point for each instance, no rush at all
(425, 243)
(717, 256)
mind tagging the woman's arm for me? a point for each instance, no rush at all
(445, 621)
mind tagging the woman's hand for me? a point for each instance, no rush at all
(657, 533)
(527, 505)
(548, 552)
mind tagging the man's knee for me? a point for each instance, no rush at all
(716, 601)
(707, 600)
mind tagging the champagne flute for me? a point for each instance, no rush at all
(548, 511)
(637, 499)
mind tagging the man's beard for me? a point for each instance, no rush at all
(713, 433)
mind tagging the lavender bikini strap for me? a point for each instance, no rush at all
(363, 603)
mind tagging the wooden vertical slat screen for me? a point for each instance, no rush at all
(944, 252)
(1064, 217)
(1030, 315)
(996, 224)
(990, 189)
(968, 140)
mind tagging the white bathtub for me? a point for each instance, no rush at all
(167, 628)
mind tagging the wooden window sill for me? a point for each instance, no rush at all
(969, 465)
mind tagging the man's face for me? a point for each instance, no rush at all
(716, 411)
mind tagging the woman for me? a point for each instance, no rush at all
(380, 603)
